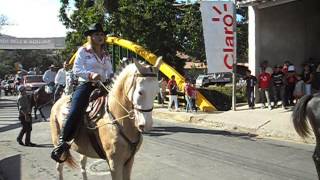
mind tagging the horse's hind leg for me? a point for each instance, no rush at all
(59, 167)
(42, 115)
(83, 163)
(316, 159)
(35, 112)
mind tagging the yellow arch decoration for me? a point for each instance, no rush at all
(202, 102)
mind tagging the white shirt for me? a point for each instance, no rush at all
(88, 62)
(61, 77)
(49, 76)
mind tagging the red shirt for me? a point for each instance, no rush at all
(172, 86)
(264, 80)
(188, 89)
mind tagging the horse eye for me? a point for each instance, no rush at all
(140, 93)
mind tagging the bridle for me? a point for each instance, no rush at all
(136, 75)
(130, 114)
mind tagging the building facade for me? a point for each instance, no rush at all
(283, 30)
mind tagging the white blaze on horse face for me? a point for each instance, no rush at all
(143, 96)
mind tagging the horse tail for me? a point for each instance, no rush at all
(299, 116)
(70, 160)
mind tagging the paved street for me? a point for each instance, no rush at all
(174, 151)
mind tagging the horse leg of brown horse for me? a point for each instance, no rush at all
(35, 112)
(116, 169)
(83, 163)
(127, 169)
(42, 115)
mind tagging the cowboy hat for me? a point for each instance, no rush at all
(96, 27)
(52, 66)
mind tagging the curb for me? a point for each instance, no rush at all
(261, 131)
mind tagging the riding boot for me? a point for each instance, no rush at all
(63, 146)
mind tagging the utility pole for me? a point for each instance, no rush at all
(234, 68)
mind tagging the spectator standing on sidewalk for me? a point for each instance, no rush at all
(278, 86)
(194, 97)
(188, 95)
(307, 78)
(24, 108)
(299, 89)
(173, 93)
(60, 81)
(264, 88)
(251, 82)
(163, 86)
(291, 80)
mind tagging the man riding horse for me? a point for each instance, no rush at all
(91, 64)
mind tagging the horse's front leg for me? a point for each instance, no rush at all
(59, 167)
(116, 169)
(127, 169)
(83, 163)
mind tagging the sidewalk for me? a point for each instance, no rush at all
(265, 123)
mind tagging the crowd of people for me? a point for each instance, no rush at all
(171, 87)
(282, 83)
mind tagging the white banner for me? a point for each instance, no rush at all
(219, 21)
(7, 42)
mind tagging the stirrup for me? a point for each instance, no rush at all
(58, 152)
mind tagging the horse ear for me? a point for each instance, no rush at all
(139, 66)
(158, 62)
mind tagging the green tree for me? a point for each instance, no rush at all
(85, 13)
(189, 31)
(151, 24)
(242, 35)
(28, 58)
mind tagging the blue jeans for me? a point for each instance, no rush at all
(79, 103)
(189, 103)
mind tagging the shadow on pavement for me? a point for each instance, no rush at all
(14, 126)
(165, 130)
(10, 167)
(44, 145)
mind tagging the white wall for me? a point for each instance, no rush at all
(287, 32)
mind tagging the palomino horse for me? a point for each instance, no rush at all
(308, 107)
(39, 99)
(130, 105)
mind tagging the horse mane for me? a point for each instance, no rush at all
(120, 82)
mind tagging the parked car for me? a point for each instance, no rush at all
(205, 80)
(33, 82)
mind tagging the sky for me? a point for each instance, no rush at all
(32, 18)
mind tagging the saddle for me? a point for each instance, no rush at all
(95, 109)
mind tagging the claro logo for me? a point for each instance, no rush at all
(228, 22)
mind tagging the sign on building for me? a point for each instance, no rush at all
(219, 21)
